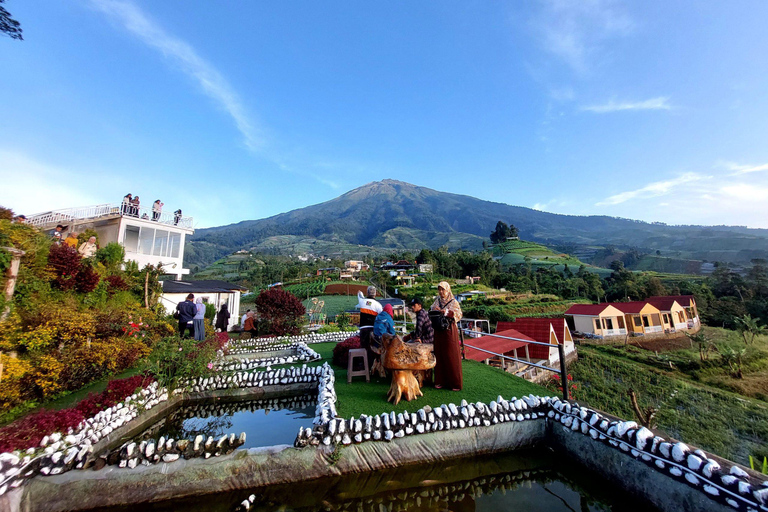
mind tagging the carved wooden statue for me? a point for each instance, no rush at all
(403, 359)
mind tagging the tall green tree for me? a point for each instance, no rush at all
(8, 25)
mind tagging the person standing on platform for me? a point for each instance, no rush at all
(135, 206)
(447, 350)
(369, 310)
(157, 209)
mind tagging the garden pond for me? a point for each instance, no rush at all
(265, 422)
(531, 480)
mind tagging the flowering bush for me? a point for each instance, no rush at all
(554, 384)
(13, 386)
(341, 351)
(135, 329)
(66, 325)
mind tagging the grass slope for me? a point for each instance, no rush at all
(515, 252)
(715, 420)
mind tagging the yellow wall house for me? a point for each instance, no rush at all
(641, 317)
(678, 312)
(599, 319)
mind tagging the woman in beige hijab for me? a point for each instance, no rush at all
(447, 352)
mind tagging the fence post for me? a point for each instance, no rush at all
(563, 371)
(461, 339)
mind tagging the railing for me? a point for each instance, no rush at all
(560, 350)
(654, 328)
(106, 210)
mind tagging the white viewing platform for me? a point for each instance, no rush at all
(146, 241)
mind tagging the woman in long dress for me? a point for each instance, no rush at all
(447, 351)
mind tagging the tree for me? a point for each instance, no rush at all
(281, 311)
(502, 232)
(8, 25)
(749, 328)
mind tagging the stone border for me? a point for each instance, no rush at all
(734, 487)
(698, 470)
(304, 354)
(61, 453)
(330, 429)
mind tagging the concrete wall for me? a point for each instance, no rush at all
(256, 467)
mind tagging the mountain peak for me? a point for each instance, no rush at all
(396, 215)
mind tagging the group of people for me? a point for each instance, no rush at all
(375, 321)
(191, 316)
(132, 205)
(86, 249)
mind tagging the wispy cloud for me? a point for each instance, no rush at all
(660, 103)
(655, 189)
(210, 80)
(739, 169)
(575, 30)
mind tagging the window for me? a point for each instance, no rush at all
(597, 324)
(681, 316)
(608, 324)
(620, 321)
(131, 239)
(638, 322)
(146, 240)
(174, 243)
(161, 242)
(645, 322)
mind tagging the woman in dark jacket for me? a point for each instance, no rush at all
(222, 318)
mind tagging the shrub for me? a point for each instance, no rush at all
(111, 256)
(117, 390)
(30, 430)
(116, 284)
(65, 263)
(13, 388)
(174, 359)
(281, 311)
(341, 351)
(45, 373)
(86, 279)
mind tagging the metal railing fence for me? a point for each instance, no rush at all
(560, 350)
(103, 210)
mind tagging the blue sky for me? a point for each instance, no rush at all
(651, 110)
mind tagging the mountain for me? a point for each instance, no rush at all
(393, 215)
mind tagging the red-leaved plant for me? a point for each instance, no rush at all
(341, 351)
(27, 432)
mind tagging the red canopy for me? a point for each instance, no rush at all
(494, 344)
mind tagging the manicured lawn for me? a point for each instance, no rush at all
(481, 383)
(334, 304)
